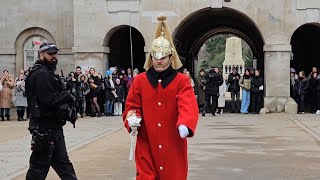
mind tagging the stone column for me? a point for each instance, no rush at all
(277, 78)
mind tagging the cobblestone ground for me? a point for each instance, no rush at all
(229, 146)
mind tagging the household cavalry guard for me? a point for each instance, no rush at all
(164, 101)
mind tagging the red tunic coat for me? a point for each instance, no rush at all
(160, 152)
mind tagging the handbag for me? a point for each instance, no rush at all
(261, 88)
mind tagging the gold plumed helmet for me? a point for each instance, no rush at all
(162, 45)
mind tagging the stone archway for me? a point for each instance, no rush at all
(196, 28)
(199, 26)
(305, 48)
(119, 44)
(23, 37)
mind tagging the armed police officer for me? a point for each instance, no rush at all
(48, 105)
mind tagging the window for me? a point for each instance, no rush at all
(31, 47)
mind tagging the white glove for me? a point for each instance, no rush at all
(183, 131)
(134, 121)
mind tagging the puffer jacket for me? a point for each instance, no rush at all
(214, 80)
(312, 86)
(301, 86)
(233, 80)
(245, 82)
(256, 82)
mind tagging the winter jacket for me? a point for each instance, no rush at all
(108, 90)
(233, 80)
(301, 87)
(245, 82)
(120, 93)
(124, 85)
(312, 85)
(82, 86)
(214, 80)
(83, 90)
(6, 93)
(256, 82)
(292, 82)
(21, 99)
(201, 90)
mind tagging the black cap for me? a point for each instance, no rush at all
(48, 47)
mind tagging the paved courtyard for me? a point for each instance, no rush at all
(229, 146)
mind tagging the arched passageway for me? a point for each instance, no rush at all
(305, 48)
(120, 40)
(195, 29)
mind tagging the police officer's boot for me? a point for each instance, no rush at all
(2, 117)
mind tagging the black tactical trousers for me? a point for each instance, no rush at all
(40, 163)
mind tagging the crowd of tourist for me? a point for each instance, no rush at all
(212, 88)
(105, 95)
(306, 89)
(96, 94)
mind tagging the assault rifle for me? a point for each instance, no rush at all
(70, 108)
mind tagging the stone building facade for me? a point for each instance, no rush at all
(103, 33)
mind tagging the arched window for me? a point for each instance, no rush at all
(31, 47)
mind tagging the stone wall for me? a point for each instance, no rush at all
(81, 28)
(16, 17)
